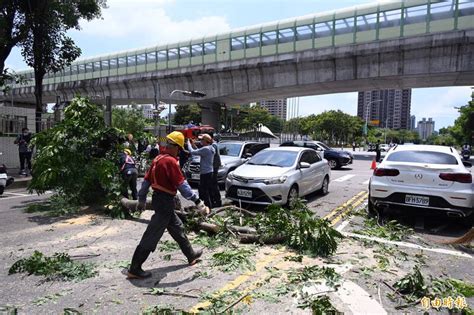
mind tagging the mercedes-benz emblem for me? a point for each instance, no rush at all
(418, 176)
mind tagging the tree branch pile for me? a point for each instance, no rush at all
(298, 228)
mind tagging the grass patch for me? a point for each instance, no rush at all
(60, 266)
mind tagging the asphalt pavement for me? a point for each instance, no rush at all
(109, 244)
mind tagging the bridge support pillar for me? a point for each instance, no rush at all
(108, 111)
(211, 115)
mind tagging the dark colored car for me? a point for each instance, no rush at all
(336, 158)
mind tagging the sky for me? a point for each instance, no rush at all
(140, 23)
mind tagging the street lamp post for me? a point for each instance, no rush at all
(185, 93)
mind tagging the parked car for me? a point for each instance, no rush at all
(278, 175)
(384, 147)
(335, 158)
(424, 177)
(233, 154)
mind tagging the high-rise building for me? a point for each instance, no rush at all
(392, 111)
(412, 122)
(275, 107)
(426, 128)
(147, 111)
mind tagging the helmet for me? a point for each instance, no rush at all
(127, 151)
(177, 138)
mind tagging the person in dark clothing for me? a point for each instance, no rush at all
(206, 152)
(165, 178)
(215, 193)
(129, 172)
(25, 150)
(377, 151)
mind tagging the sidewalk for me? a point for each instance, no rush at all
(21, 181)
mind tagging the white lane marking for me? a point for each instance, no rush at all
(358, 300)
(15, 194)
(366, 182)
(343, 178)
(342, 225)
(23, 195)
(410, 245)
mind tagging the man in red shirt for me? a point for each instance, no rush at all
(166, 178)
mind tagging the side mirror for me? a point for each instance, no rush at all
(247, 155)
(304, 165)
(467, 164)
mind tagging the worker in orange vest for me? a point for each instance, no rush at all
(165, 178)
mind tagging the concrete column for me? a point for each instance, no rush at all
(108, 111)
(210, 115)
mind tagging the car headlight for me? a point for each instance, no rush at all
(275, 180)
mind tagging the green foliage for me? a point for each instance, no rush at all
(129, 120)
(314, 273)
(163, 310)
(412, 285)
(233, 259)
(391, 230)
(330, 126)
(168, 246)
(57, 267)
(302, 231)
(249, 117)
(319, 305)
(77, 157)
(452, 287)
(210, 241)
(56, 206)
(186, 113)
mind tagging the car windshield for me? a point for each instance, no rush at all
(274, 158)
(324, 146)
(230, 149)
(427, 157)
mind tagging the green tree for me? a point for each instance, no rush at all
(77, 158)
(463, 129)
(11, 33)
(129, 120)
(46, 47)
(186, 113)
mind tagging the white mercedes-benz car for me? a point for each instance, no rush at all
(278, 175)
(422, 176)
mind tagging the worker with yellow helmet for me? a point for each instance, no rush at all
(166, 178)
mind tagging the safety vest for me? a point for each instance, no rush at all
(151, 176)
(128, 160)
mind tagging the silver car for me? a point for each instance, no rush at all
(233, 154)
(278, 175)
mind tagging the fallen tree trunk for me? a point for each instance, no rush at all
(255, 238)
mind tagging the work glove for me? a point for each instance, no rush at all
(202, 208)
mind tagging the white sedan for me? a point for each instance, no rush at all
(278, 175)
(422, 176)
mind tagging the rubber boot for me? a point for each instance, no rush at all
(139, 257)
(194, 256)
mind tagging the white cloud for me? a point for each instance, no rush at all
(146, 22)
(439, 102)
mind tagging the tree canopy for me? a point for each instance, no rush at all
(186, 113)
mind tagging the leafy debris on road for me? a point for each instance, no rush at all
(56, 206)
(314, 273)
(391, 230)
(54, 297)
(168, 246)
(317, 304)
(163, 310)
(60, 266)
(233, 259)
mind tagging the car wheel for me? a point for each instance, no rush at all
(333, 164)
(325, 186)
(372, 211)
(292, 196)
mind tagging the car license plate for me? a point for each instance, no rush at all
(195, 176)
(244, 193)
(417, 200)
